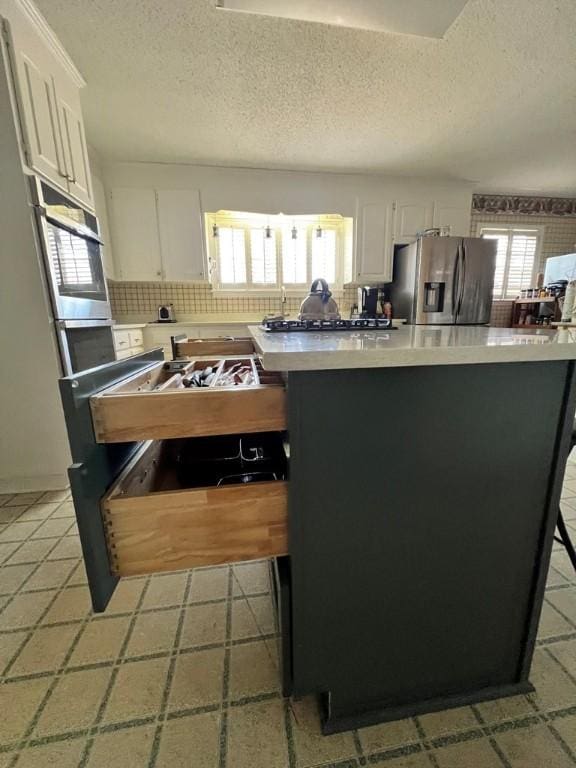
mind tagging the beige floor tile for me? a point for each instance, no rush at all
(191, 742)
(165, 590)
(19, 531)
(25, 499)
(310, 745)
(419, 760)
(68, 546)
(8, 514)
(55, 495)
(553, 687)
(153, 632)
(18, 704)
(79, 576)
(25, 609)
(210, 584)
(448, 721)
(9, 644)
(50, 575)
(254, 669)
(251, 577)
(566, 727)
(377, 738)
(252, 617)
(566, 654)
(533, 747)
(74, 702)
(509, 708)
(555, 578)
(73, 530)
(45, 651)
(127, 748)
(72, 603)
(13, 576)
(204, 624)
(32, 551)
(560, 562)
(565, 601)
(65, 510)
(52, 527)
(63, 754)
(197, 679)
(7, 549)
(257, 736)
(126, 596)
(38, 512)
(101, 641)
(137, 691)
(5, 498)
(468, 754)
(551, 622)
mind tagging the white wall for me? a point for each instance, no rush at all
(34, 452)
(289, 192)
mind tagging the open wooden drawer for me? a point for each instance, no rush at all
(155, 404)
(179, 505)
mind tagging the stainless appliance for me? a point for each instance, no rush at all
(368, 300)
(444, 281)
(319, 304)
(71, 252)
(166, 313)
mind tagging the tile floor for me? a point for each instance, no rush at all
(182, 670)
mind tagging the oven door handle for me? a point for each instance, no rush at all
(83, 323)
(85, 234)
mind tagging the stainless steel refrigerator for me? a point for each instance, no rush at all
(444, 281)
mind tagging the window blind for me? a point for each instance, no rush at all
(324, 255)
(294, 256)
(232, 255)
(263, 257)
(515, 259)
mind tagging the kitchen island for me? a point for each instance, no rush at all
(425, 473)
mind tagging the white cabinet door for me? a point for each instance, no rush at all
(374, 242)
(454, 216)
(411, 218)
(134, 229)
(75, 152)
(180, 231)
(40, 123)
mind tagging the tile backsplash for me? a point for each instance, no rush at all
(137, 298)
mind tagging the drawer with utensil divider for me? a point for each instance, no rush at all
(190, 398)
(203, 501)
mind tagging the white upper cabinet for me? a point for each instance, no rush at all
(410, 218)
(134, 229)
(47, 89)
(75, 152)
(157, 234)
(180, 233)
(374, 242)
(456, 217)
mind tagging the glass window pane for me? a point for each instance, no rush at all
(324, 255)
(501, 252)
(263, 255)
(294, 256)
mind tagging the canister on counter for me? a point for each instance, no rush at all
(569, 299)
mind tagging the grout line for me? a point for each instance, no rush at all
(223, 739)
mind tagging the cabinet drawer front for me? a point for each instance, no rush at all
(199, 347)
(148, 532)
(161, 415)
(121, 354)
(136, 338)
(121, 339)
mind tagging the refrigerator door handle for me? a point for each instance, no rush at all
(456, 284)
(463, 281)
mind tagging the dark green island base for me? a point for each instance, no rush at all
(422, 508)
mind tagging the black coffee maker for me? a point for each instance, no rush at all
(368, 300)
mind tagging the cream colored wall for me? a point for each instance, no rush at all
(34, 452)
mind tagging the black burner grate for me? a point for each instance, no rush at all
(367, 323)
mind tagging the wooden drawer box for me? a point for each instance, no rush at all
(185, 347)
(155, 404)
(154, 524)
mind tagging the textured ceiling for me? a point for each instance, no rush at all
(494, 101)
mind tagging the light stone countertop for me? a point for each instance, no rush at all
(127, 326)
(231, 318)
(410, 345)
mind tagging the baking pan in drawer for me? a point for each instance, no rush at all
(158, 519)
(157, 404)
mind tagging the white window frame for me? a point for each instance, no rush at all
(510, 229)
(254, 221)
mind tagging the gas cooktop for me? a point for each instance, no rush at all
(365, 323)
